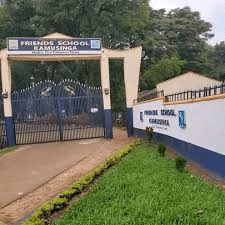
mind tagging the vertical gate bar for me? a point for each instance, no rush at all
(80, 128)
(84, 126)
(52, 116)
(73, 115)
(93, 115)
(60, 122)
(79, 111)
(55, 117)
(77, 133)
(88, 109)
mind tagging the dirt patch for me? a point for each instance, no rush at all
(21, 207)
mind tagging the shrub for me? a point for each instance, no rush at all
(180, 163)
(149, 134)
(162, 149)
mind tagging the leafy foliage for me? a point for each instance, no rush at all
(218, 60)
(161, 149)
(180, 163)
(164, 69)
(173, 42)
(149, 134)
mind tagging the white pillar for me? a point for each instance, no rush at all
(6, 89)
(106, 96)
(6, 82)
(105, 81)
(132, 63)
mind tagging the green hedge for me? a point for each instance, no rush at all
(41, 215)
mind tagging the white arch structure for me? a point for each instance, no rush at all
(130, 57)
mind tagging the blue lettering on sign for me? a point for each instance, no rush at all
(163, 112)
(159, 122)
(168, 112)
(141, 117)
(151, 112)
(50, 46)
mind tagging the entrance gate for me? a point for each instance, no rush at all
(47, 112)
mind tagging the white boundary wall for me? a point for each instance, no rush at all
(205, 122)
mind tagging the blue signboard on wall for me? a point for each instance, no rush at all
(182, 119)
(49, 46)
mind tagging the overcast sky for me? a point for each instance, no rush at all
(212, 11)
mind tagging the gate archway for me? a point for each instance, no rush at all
(51, 48)
(49, 112)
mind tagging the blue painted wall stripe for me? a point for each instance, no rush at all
(213, 162)
(10, 131)
(108, 124)
(130, 127)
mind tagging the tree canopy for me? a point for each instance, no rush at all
(173, 42)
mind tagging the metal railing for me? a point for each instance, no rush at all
(149, 96)
(192, 94)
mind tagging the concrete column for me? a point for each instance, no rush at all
(106, 96)
(132, 62)
(6, 89)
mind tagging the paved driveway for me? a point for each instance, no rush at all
(29, 167)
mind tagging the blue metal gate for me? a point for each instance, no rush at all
(3, 139)
(47, 112)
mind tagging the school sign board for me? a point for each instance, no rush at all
(49, 46)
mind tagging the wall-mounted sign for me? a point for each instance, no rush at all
(94, 110)
(49, 46)
(158, 117)
(162, 112)
(182, 119)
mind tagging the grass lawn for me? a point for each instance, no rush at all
(7, 150)
(146, 189)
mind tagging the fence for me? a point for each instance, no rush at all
(185, 95)
(192, 94)
(3, 140)
(149, 96)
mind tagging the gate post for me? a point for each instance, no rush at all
(6, 89)
(132, 63)
(106, 96)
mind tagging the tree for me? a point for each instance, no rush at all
(173, 42)
(182, 33)
(218, 61)
(118, 95)
(164, 69)
(15, 18)
(120, 24)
